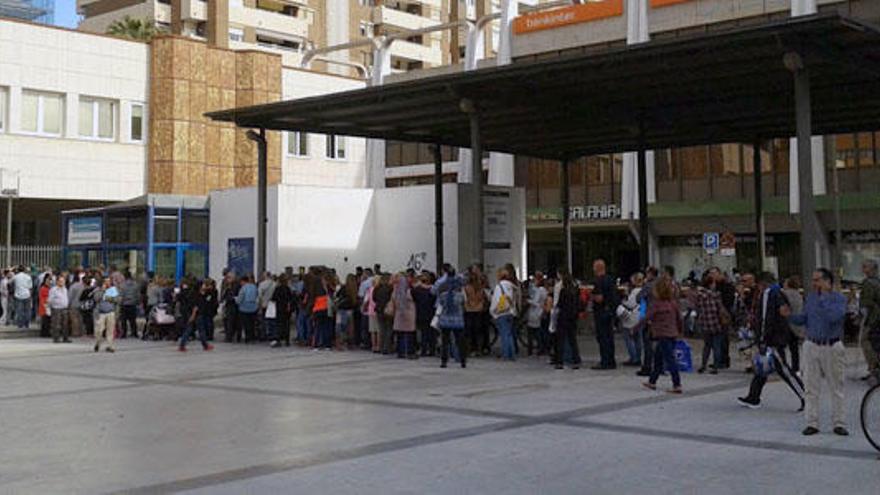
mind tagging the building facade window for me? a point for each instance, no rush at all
(336, 147)
(366, 29)
(96, 118)
(42, 113)
(3, 109)
(298, 143)
(137, 122)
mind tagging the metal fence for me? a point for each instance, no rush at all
(39, 256)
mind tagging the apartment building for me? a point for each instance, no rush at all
(90, 120)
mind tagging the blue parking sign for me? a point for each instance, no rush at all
(711, 241)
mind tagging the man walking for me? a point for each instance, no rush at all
(605, 300)
(869, 301)
(23, 287)
(823, 354)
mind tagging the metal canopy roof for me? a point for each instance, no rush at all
(710, 88)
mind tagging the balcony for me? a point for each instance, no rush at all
(416, 52)
(194, 10)
(265, 20)
(400, 19)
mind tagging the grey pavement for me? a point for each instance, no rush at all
(249, 419)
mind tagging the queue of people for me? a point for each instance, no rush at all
(452, 315)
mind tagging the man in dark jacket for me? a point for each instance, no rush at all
(772, 332)
(728, 299)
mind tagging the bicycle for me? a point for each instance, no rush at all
(869, 415)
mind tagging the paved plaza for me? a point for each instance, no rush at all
(248, 419)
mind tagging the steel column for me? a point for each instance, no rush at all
(760, 229)
(477, 174)
(262, 180)
(566, 215)
(644, 231)
(809, 226)
(438, 205)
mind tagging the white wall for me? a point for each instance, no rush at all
(317, 169)
(344, 228)
(72, 63)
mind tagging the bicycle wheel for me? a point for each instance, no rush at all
(870, 416)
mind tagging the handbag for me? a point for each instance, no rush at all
(389, 309)
(435, 321)
(503, 302)
(554, 318)
(271, 310)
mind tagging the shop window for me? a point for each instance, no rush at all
(42, 113)
(195, 228)
(96, 118)
(165, 228)
(127, 229)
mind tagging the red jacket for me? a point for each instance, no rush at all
(44, 297)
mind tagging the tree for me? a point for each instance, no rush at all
(136, 29)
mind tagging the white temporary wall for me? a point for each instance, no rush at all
(344, 228)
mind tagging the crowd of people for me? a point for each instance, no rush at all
(456, 316)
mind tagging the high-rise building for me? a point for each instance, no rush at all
(29, 10)
(290, 27)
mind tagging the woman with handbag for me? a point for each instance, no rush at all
(503, 310)
(629, 316)
(404, 318)
(369, 310)
(665, 326)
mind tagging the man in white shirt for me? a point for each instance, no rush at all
(58, 302)
(24, 286)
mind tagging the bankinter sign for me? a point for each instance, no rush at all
(574, 14)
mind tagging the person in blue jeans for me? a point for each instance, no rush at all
(503, 311)
(665, 325)
(247, 307)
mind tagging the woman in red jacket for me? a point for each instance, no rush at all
(41, 307)
(664, 324)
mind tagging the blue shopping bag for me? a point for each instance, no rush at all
(683, 357)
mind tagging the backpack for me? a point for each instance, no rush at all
(86, 301)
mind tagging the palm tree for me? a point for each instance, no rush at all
(136, 29)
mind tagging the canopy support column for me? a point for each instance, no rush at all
(760, 228)
(810, 247)
(644, 227)
(477, 175)
(438, 205)
(262, 186)
(566, 215)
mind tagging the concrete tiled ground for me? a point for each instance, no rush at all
(256, 420)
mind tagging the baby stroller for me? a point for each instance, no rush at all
(767, 360)
(161, 323)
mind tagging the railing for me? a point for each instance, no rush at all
(39, 256)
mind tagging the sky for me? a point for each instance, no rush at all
(65, 13)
